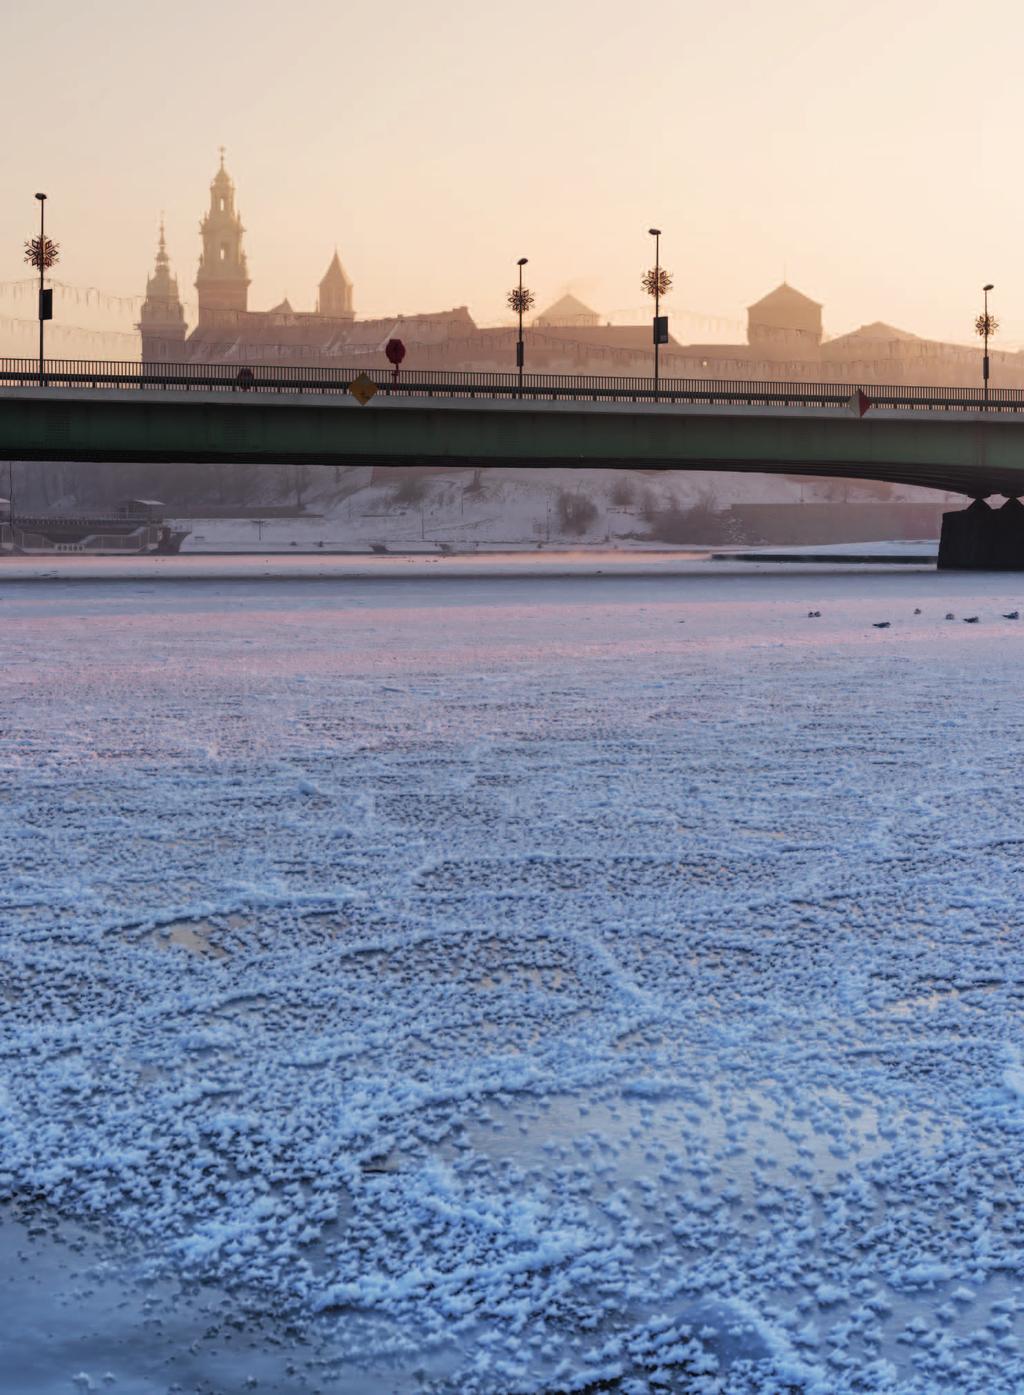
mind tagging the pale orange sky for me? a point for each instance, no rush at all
(870, 150)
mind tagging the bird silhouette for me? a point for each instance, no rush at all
(1013, 615)
(881, 624)
(950, 615)
(917, 610)
(814, 615)
(970, 619)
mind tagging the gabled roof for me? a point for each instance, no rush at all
(614, 336)
(284, 308)
(284, 331)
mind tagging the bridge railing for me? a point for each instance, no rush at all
(270, 378)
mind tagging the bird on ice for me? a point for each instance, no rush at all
(814, 615)
(881, 624)
(970, 619)
(1013, 615)
(950, 615)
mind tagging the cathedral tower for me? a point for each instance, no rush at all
(162, 318)
(223, 277)
(335, 298)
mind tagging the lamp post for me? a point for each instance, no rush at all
(520, 299)
(656, 283)
(42, 266)
(41, 253)
(985, 325)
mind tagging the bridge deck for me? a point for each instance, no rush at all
(314, 379)
(938, 438)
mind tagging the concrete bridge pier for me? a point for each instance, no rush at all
(980, 538)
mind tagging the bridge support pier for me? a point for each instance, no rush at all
(981, 538)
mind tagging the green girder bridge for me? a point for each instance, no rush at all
(940, 438)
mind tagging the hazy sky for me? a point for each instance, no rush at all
(872, 151)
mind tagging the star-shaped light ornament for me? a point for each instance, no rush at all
(657, 281)
(42, 253)
(520, 300)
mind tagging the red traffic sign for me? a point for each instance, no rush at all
(395, 351)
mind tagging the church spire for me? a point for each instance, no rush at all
(162, 317)
(335, 298)
(162, 259)
(223, 277)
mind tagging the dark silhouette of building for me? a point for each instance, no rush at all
(162, 318)
(335, 298)
(785, 338)
(784, 324)
(222, 280)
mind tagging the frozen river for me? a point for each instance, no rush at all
(434, 982)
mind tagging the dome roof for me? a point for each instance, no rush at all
(221, 180)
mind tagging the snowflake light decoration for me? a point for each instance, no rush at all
(657, 283)
(520, 300)
(42, 253)
(986, 325)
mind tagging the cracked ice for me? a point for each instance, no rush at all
(517, 990)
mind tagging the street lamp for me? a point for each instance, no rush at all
(520, 300)
(41, 253)
(985, 325)
(656, 282)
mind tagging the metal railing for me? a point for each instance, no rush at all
(549, 387)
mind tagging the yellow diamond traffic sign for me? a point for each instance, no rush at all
(362, 389)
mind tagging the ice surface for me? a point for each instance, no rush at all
(492, 984)
(425, 564)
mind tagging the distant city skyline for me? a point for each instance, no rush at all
(690, 324)
(565, 134)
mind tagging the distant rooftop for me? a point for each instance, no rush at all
(784, 296)
(335, 273)
(567, 312)
(877, 330)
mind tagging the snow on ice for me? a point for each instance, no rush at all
(501, 987)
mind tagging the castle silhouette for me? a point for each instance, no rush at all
(785, 339)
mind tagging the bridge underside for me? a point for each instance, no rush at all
(951, 481)
(967, 452)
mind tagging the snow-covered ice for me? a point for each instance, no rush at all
(508, 983)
